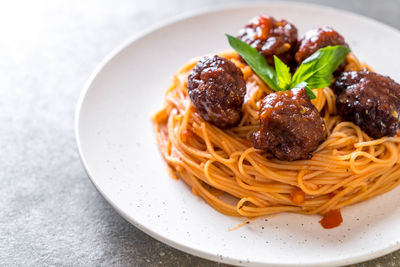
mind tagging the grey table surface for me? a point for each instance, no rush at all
(50, 213)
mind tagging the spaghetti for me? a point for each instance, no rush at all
(223, 167)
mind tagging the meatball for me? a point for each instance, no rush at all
(271, 37)
(291, 127)
(370, 100)
(316, 39)
(217, 88)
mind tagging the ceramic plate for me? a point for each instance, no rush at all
(119, 151)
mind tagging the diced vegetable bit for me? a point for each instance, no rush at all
(298, 197)
(331, 219)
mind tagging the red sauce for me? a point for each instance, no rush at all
(246, 142)
(264, 28)
(331, 219)
(334, 193)
(187, 135)
(297, 196)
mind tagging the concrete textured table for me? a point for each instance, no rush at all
(50, 213)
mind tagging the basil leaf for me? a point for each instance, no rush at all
(317, 69)
(283, 73)
(256, 61)
(310, 93)
(307, 88)
(285, 78)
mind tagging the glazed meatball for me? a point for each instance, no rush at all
(291, 127)
(271, 37)
(217, 88)
(370, 100)
(316, 39)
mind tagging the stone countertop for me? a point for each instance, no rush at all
(50, 213)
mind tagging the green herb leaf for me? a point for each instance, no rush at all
(317, 69)
(283, 73)
(308, 89)
(256, 61)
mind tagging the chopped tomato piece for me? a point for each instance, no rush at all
(331, 219)
(297, 196)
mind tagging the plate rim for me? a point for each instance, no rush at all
(176, 19)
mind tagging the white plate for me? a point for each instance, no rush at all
(119, 151)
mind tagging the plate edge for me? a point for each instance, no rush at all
(169, 21)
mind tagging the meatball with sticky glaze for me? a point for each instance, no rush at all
(271, 37)
(291, 127)
(370, 100)
(316, 39)
(216, 88)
